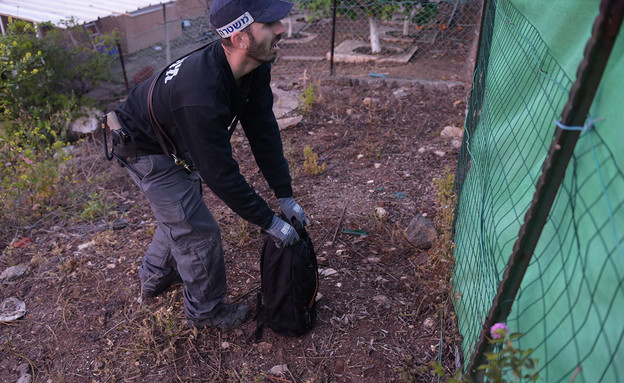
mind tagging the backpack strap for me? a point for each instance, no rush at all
(256, 336)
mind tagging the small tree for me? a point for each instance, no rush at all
(372, 10)
(375, 10)
(420, 13)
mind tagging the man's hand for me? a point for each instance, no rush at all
(291, 209)
(282, 233)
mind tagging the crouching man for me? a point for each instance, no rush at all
(178, 125)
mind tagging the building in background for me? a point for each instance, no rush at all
(140, 23)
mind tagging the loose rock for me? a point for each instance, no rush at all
(381, 213)
(87, 124)
(280, 369)
(23, 368)
(456, 143)
(85, 245)
(400, 93)
(12, 309)
(119, 223)
(264, 347)
(382, 300)
(452, 132)
(13, 272)
(289, 122)
(421, 232)
(327, 272)
(429, 323)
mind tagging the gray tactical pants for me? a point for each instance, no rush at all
(187, 237)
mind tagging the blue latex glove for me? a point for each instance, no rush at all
(290, 208)
(282, 233)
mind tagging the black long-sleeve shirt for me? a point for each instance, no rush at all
(195, 101)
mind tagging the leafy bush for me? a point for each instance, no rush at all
(45, 79)
(43, 85)
(420, 12)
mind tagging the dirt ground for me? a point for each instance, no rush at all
(384, 314)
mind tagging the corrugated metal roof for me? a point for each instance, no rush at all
(82, 11)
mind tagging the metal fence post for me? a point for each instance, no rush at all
(167, 39)
(123, 66)
(333, 39)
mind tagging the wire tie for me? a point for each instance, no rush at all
(589, 125)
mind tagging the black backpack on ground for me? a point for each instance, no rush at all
(289, 283)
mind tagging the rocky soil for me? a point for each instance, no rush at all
(377, 219)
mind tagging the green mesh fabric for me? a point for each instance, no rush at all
(571, 302)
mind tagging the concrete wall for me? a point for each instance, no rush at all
(145, 28)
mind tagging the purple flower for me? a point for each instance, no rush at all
(499, 330)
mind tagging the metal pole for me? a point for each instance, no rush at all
(123, 67)
(167, 42)
(597, 50)
(333, 39)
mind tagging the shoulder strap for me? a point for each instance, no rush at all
(158, 130)
(232, 127)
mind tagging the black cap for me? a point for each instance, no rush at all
(229, 16)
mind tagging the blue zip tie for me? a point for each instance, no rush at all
(588, 125)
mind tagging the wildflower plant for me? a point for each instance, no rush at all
(508, 359)
(507, 364)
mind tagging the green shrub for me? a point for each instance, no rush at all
(310, 164)
(45, 79)
(306, 100)
(43, 84)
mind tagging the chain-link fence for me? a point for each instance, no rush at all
(552, 268)
(426, 40)
(400, 39)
